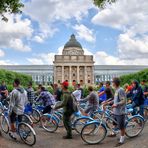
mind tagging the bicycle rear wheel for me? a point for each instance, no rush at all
(26, 119)
(134, 126)
(93, 133)
(27, 133)
(35, 116)
(49, 124)
(4, 123)
(80, 122)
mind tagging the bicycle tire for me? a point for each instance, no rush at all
(51, 124)
(90, 131)
(4, 120)
(35, 116)
(80, 122)
(24, 133)
(134, 126)
(146, 114)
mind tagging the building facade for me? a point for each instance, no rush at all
(108, 72)
(73, 65)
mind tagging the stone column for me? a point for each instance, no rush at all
(62, 73)
(70, 75)
(78, 76)
(85, 75)
(93, 77)
(55, 73)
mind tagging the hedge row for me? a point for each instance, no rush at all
(9, 76)
(139, 76)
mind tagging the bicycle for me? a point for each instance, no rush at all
(95, 131)
(23, 129)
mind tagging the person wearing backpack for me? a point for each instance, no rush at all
(68, 110)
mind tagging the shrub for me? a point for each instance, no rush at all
(9, 76)
(139, 76)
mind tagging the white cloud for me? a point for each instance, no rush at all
(132, 47)
(44, 58)
(102, 58)
(131, 18)
(87, 52)
(2, 53)
(35, 61)
(7, 62)
(85, 33)
(38, 39)
(17, 44)
(13, 32)
(50, 11)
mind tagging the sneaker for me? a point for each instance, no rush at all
(67, 137)
(119, 144)
(12, 135)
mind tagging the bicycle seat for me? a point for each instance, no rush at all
(130, 110)
(77, 114)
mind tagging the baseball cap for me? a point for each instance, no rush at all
(65, 83)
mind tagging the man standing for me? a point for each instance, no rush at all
(57, 92)
(103, 96)
(145, 91)
(30, 93)
(108, 91)
(92, 100)
(67, 105)
(18, 100)
(118, 106)
(137, 97)
(3, 91)
(47, 99)
(81, 89)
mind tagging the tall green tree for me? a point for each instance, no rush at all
(102, 3)
(10, 6)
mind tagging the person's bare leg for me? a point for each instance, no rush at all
(122, 135)
(13, 127)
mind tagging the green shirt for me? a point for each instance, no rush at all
(66, 104)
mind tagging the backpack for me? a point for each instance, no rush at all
(74, 104)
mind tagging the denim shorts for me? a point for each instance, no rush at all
(120, 119)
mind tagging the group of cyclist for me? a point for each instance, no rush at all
(114, 95)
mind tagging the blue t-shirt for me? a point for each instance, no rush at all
(102, 97)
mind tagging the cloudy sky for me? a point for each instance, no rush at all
(115, 35)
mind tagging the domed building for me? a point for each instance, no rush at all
(73, 65)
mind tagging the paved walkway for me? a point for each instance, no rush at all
(54, 140)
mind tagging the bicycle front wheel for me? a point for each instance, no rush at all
(134, 126)
(93, 133)
(4, 123)
(49, 124)
(27, 133)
